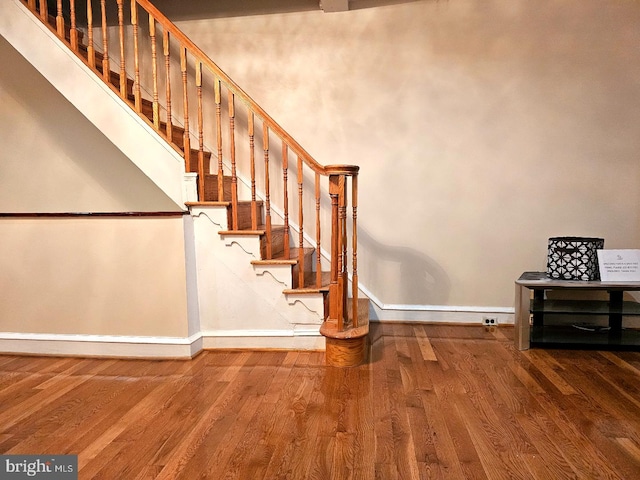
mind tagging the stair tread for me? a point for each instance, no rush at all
(261, 230)
(208, 204)
(294, 253)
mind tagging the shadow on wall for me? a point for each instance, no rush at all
(418, 278)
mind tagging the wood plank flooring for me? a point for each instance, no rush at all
(449, 402)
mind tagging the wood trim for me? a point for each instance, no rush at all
(90, 214)
(101, 346)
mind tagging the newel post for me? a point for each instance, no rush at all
(336, 287)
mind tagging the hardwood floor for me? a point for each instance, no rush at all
(434, 402)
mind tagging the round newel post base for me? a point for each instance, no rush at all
(346, 352)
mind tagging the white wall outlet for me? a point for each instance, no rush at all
(490, 321)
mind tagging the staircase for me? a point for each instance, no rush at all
(274, 197)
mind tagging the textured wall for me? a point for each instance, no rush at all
(482, 128)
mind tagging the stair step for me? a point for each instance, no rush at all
(310, 284)
(244, 214)
(146, 106)
(177, 133)
(211, 183)
(114, 77)
(277, 238)
(294, 252)
(193, 167)
(277, 242)
(310, 278)
(51, 19)
(293, 260)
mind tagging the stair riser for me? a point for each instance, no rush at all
(193, 167)
(244, 215)
(308, 267)
(277, 244)
(211, 188)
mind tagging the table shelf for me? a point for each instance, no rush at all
(532, 327)
(583, 307)
(567, 336)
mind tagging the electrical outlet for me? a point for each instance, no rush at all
(489, 321)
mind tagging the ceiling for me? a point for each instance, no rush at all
(177, 10)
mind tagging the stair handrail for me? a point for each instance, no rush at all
(240, 93)
(338, 175)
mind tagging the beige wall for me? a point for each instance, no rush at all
(53, 160)
(482, 129)
(93, 276)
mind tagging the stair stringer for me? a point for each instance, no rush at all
(94, 99)
(241, 305)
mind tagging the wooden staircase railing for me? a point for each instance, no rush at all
(165, 77)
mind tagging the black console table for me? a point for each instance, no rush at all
(530, 311)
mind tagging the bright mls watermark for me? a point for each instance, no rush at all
(40, 467)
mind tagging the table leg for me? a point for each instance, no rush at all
(615, 309)
(538, 298)
(522, 318)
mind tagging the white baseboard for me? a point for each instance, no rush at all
(100, 345)
(157, 347)
(299, 339)
(463, 315)
(439, 314)
(188, 347)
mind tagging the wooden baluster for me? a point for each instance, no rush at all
(123, 72)
(267, 199)
(44, 11)
(91, 52)
(73, 32)
(154, 70)
(218, 102)
(285, 170)
(136, 58)
(301, 223)
(252, 159)
(201, 173)
(185, 101)
(354, 280)
(318, 256)
(234, 177)
(344, 278)
(106, 69)
(166, 46)
(32, 5)
(60, 21)
(336, 183)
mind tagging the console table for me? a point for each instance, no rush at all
(530, 328)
